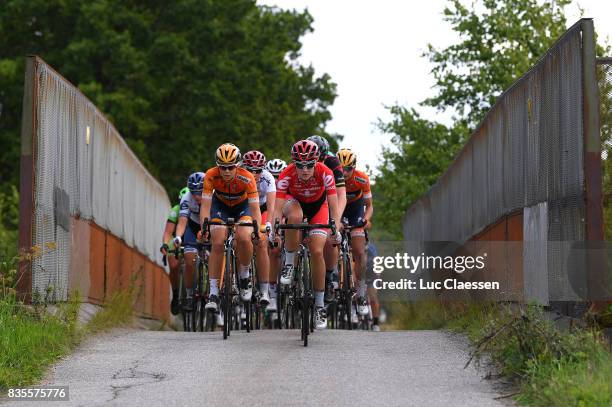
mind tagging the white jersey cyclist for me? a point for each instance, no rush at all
(265, 185)
(190, 208)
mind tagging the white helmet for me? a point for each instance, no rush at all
(276, 166)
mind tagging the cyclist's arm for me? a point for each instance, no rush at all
(278, 209)
(270, 203)
(205, 209)
(168, 231)
(180, 227)
(332, 201)
(254, 207)
(369, 209)
(341, 192)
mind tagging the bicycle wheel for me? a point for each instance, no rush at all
(227, 294)
(306, 322)
(348, 297)
(198, 298)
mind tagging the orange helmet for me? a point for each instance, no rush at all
(228, 154)
(347, 157)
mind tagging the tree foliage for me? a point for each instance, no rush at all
(498, 42)
(176, 78)
(424, 150)
(498, 45)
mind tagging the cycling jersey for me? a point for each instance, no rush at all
(312, 190)
(333, 163)
(189, 208)
(357, 186)
(266, 184)
(174, 214)
(234, 192)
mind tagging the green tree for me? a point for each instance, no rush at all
(176, 78)
(499, 41)
(424, 151)
(498, 45)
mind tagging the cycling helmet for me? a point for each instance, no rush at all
(228, 154)
(322, 144)
(254, 160)
(347, 157)
(304, 150)
(183, 192)
(276, 166)
(195, 182)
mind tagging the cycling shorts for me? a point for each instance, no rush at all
(314, 212)
(354, 212)
(190, 237)
(219, 211)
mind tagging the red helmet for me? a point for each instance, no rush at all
(304, 150)
(253, 159)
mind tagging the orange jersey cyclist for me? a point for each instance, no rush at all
(230, 192)
(358, 212)
(305, 189)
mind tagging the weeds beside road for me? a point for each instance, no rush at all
(552, 367)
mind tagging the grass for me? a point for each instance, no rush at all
(31, 339)
(117, 312)
(551, 367)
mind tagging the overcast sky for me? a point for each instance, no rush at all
(372, 50)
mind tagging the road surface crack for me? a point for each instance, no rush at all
(132, 373)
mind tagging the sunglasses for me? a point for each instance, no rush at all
(255, 170)
(226, 167)
(348, 169)
(305, 165)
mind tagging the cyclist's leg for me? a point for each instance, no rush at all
(244, 249)
(316, 246)
(293, 212)
(191, 250)
(218, 235)
(263, 269)
(331, 253)
(375, 304)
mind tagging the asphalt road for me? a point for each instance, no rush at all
(272, 368)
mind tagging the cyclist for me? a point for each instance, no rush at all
(189, 225)
(276, 166)
(255, 162)
(230, 192)
(167, 249)
(358, 212)
(372, 292)
(331, 252)
(306, 188)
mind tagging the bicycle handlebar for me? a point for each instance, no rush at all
(305, 226)
(230, 224)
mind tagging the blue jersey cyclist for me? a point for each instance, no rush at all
(189, 224)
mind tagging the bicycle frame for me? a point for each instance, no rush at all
(229, 275)
(304, 275)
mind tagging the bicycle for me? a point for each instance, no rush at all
(303, 293)
(229, 286)
(344, 303)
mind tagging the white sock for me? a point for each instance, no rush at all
(214, 286)
(319, 296)
(264, 287)
(361, 291)
(289, 258)
(244, 271)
